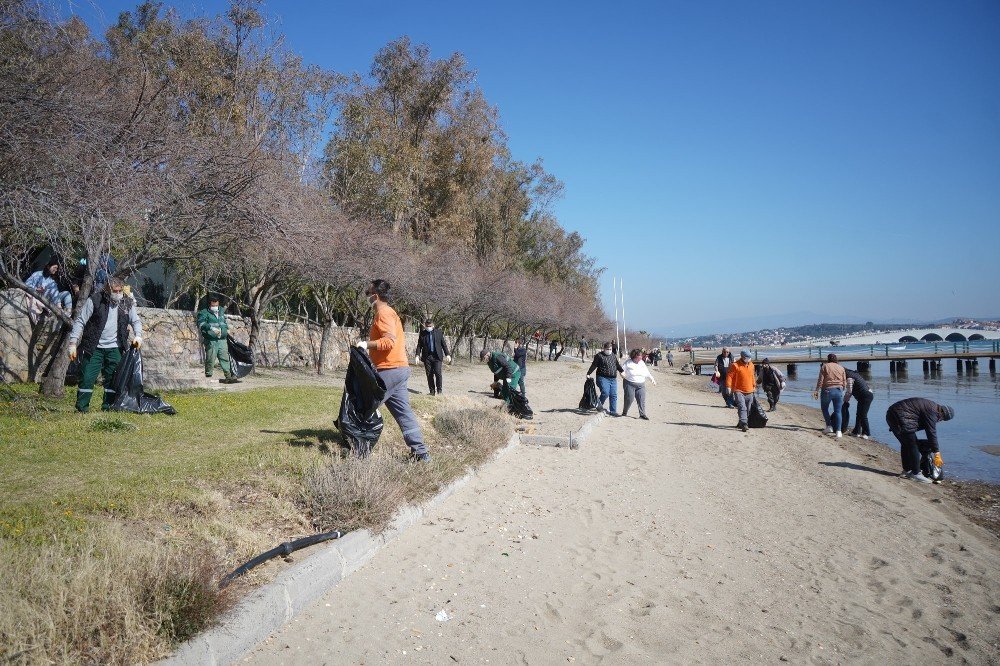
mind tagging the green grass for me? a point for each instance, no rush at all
(115, 527)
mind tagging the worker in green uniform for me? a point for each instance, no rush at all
(504, 368)
(214, 335)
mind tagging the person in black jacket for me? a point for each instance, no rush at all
(432, 349)
(506, 373)
(858, 388)
(772, 381)
(905, 419)
(722, 363)
(608, 368)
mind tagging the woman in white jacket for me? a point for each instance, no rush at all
(636, 373)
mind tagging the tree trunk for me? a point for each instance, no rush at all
(324, 345)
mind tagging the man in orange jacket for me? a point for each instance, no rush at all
(741, 382)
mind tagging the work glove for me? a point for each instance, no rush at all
(362, 345)
(448, 359)
(136, 343)
(726, 390)
(815, 395)
(216, 331)
(72, 352)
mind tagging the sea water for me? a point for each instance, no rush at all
(975, 398)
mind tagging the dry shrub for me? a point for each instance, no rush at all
(107, 599)
(356, 492)
(473, 431)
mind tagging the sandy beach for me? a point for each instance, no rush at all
(677, 540)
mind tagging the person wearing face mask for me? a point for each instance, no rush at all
(387, 347)
(100, 335)
(214, 336)
(432, 349)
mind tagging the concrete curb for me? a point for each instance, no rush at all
(271, 606)
(572, 441)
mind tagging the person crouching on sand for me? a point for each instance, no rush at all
(741, 382)
(905, 419)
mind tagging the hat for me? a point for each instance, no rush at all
(947, 413)
(744, 354)
(766, 360)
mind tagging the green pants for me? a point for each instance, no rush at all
(220, 349)
(510, 385)
(104, 362)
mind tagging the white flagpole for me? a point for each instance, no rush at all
(624, 332)
(614, 286)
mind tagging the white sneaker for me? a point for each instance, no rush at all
(838, 435)
(865, 437)
(829, 430)
(920, 478)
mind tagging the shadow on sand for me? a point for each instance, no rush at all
(860, 468)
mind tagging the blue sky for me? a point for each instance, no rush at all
(732, 159)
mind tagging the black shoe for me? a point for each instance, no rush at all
(421, 457)
(643, 417)
(624, 413)
(615, 414)
(742, 426)
(432, 392)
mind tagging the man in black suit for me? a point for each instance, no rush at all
(432, 348)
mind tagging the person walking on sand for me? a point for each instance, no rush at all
(387, 347)
(634, 377)
(521, 358)
(858, 388)
(741, 382)
(670, 358)
(722, 363)
(830, 386)
(583, 350)
(432, 349)
(553, 346)
(772, 381)
(905, 419)
(606, 364)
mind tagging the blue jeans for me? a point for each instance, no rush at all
(835, 397)
(397, 401)
(608, 387)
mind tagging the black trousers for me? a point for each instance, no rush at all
(861, 426)
(432, 367)
(773, 393)
(910, 450)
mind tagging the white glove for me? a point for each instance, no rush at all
(216, 331)
(362, 344)
(448, 359)
(72, 352)
(137, 343)
(652, 380)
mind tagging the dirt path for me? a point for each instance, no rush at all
(674, 540)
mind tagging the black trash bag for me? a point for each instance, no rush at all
(589, 400)
(359, 420)
(240, 357)
(127, 385)
(518, 404)
(73, 373)
(757, 418)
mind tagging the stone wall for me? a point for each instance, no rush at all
(172, 351)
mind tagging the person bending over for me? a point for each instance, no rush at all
(506, 373)
(906, 418)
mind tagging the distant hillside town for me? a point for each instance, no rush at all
(822, 333)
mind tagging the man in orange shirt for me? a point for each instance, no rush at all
(387, 347)
(741, 381)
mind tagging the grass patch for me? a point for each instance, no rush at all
(114, 529)
(112, 424)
